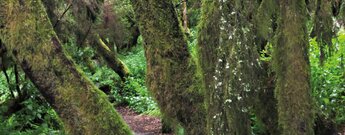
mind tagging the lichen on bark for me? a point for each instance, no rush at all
(227, 42)
(241, 64)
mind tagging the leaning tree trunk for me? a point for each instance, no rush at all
(171, 72)
(86, 14)
(30, 37)
(291, 64)
(111, 58)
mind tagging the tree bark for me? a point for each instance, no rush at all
(323, 28)
(184, 16)
(86, 30)
(111, 58)
(29, 36)
(240, 64)
(291, 65)
(171, 72)
(265, 108)
(207, 57)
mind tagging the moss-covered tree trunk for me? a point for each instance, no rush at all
(230, 64)
(171, 72)
(111, 58)
(265, 108)
(29, 36)
(238, 64)
(86, 14)
(291, 64)
(208, 43)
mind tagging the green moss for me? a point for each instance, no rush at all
(171, 72)
(265, 18)
(291, 65)
(323, 28)
(111, 58)
(81, 106)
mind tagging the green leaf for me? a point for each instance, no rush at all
(326, 100)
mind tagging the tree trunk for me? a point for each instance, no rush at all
(111, 58)
(86, 30)
(240, 64)
(207, 54)
(184, 16)
(235, 75)
(323, 28)
(265, 108)
(171, 72)
(30, 37)
(291, 65)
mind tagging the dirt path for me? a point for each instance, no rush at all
(141, 124)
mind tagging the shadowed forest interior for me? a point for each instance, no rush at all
(172, 67)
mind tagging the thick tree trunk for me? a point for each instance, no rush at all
(230, 64)
(171, 72)
(30, 37)
(291, 65)
(235, 76)
(207, 54)
(240, 64)
(265, 108)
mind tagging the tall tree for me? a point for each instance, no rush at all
(29, 36)
(207, 54)
(291, 65)
(171, 72)
(237, 69)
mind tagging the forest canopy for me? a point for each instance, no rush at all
(183, 67)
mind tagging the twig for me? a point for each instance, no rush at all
(63, 14)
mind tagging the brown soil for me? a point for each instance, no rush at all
(141, 124)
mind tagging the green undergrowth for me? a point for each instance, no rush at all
(137, 95)
(35, 118)
(133, 92)
(328, 81)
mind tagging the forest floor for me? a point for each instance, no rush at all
(141, 124)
